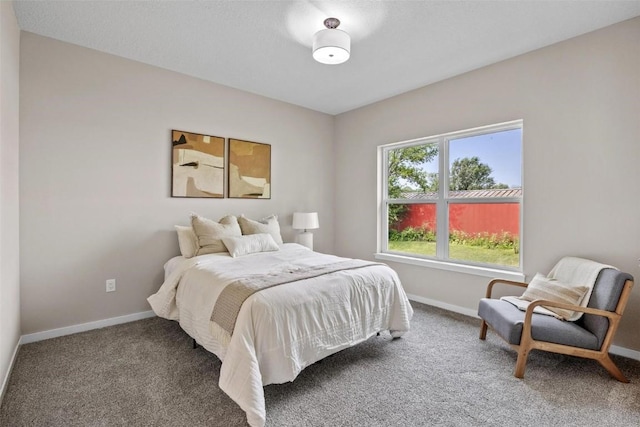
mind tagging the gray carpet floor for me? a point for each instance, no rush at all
(145, 373)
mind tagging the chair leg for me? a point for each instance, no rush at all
(483, 330)
(523, 353)
(611, 367)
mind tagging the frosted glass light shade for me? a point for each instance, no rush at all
(305, 220)
(331, 46)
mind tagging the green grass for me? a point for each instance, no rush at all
(505, 257)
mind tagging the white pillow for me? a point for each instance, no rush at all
(250, 244)
(265, 225)
(542, 287)
(210, 233)
(187, 240)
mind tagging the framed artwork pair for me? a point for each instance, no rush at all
(201, 166)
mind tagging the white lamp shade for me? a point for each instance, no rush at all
(331, 46)
(305, 220)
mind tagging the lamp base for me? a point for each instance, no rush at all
(306, 239)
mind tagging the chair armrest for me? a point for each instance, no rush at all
(503, 281)
(588, 310)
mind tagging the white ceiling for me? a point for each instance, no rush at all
(264, 47)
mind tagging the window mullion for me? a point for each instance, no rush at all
(442, 249)
(385, 226)
(383, 201)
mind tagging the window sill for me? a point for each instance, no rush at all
(493, 273)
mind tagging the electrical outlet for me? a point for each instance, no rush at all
(111, 285)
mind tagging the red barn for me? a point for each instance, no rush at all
(472, 218)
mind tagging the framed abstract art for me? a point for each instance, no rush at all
(198, 165)
(249, 170)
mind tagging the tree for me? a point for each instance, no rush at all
(405, 169)
(470, 174)
(405, 173)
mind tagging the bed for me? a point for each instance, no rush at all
(281, 329)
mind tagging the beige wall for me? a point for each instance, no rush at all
(9, 206)
(95, 167)
(95, 175)
(580, 101)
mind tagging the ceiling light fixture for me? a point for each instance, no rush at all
(331, 46)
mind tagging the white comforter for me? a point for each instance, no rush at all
(283, 329)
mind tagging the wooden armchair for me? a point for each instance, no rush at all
(589, 337)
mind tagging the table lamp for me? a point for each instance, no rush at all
(305, 221)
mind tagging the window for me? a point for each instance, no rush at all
(454, 198)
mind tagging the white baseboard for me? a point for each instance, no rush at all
(444, 305)
(53, 333)
(74, 329)
(5, 380)
(614, 349)
(625, 352)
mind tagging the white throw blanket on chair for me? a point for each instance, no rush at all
(578, 271)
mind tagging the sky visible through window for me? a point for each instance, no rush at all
(501, 151)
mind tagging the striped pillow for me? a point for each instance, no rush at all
(542, 287)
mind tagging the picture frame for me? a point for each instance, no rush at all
(249, 170)
(198, 165)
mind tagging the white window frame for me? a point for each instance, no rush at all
(441, 260)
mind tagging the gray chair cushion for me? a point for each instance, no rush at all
(507, 320)
(605, 296)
